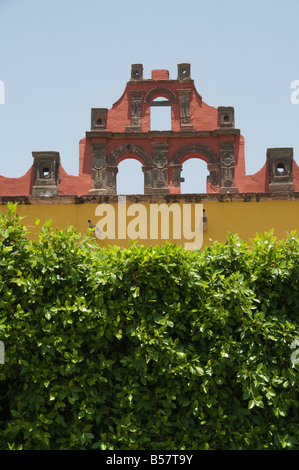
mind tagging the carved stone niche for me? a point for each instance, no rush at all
(184, 96)
(136, 100)
(280, 169)
(136, 72)
(184, 71)
(226, 116)
(160, 171)
(156, 177)
(46, 173)
(103, 176)
(227, 156)
(98, 119)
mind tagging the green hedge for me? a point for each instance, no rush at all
(147, 347)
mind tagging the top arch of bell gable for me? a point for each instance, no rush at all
(158, 92)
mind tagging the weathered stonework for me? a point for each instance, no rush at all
(156, 177)
(227, 153)
(136, 72)
(185, 110)
(280, 169)
(46, 172)
(195, 149)
(226, 116)
(184, 71)
(136, 100)
(103, 176)
(98, 119)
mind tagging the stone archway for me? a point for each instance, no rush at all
(160, 91)
(206, 153)
(132, 151)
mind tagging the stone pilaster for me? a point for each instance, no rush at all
(136, 101)
(227, 156)
(103, 176)
(156, 177)
(184, 96)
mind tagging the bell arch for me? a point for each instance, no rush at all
(194, 176)
(128, 151)
(135, 151)
(125, 183)
(201, 151)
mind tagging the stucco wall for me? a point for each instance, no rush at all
(245, 214)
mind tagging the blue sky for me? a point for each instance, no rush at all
(58, 59)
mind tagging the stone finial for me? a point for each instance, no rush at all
(280, 169)
(136, 72)
(98, 119)
(184, 71)
(226, 115)
(46, 173)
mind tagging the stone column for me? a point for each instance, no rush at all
(148, 179)
(214, 174)
(227, 155)
(176, 175)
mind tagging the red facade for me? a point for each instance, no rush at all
(124, 131)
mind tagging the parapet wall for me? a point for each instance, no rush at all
(243, 213)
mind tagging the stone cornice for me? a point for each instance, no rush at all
(150, 198)
(153, 134)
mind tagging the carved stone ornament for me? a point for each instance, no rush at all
(157, 175)
(185, 109)
(136, 100)
(227, 155)
(103, 176)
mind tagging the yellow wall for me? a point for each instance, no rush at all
(244, 218)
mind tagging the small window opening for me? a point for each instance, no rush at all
(45, 172)
(160, 114)
(280, 167)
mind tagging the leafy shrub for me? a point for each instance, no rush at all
(147, 347)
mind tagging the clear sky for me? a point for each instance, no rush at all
(60, 58)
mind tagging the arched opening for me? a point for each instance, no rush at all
(195, 173)
(160, 109)
(130, 178)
